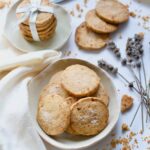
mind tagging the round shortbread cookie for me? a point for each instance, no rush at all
(89, 116)
(98, 25)
(80, 80)
(54, 87)
(42, 19)
(41, 34)
(102, 95)
(56, 78)
(87, 39)
(53, 115)
(43, 30)
(112, 11)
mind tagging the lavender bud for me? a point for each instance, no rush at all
(138, 64)
(131, 85)
(141, 51)
(144, 93)
(129, 53)
(124, 61)
(115, 71)
(110, 67)
(137, 57)
(111, 45)
(101, 63)
(118, 54)
(116, 50)
(130, 60)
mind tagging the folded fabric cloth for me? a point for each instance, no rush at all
(16, 129)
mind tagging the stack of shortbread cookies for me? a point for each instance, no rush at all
(99, 22)
(74, 101)
(45, 23)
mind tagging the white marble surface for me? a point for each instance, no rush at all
(126, 30)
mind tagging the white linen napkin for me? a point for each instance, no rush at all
(16, 130)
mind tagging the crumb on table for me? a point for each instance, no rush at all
(126, 103)
(132, 14)
(2, 4)
(125, 127)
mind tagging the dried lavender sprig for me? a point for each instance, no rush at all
(112, 46)
(113, 70)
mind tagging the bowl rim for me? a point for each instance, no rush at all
(59, 145)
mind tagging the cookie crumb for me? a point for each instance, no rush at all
(2, 4)
(126, 103)
(141, 34)
(145, 18)
(85, 2)
(72, 13)
(78, 7)
(141, 131)
(113, 134)
(132, 14)
(125, 127)
(126, 148)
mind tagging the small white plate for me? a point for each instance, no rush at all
(66, 141)
(62, 34)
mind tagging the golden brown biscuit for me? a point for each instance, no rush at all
(86, 39)
(102, 95)
(98, 25)
(71, 101)
(54, 87)
(71, 131)
(80, 80)
(126, 103)
(56, 78)
(89, 116)
(112, 11)
(42, 18)
(53, 115)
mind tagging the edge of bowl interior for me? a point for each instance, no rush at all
(56, 66)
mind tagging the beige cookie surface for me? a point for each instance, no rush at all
(53, 115)
(71, 131)
(86, 39)
(98, 25)
(42, 18)
(80, 80)
(56, 78)
(54, 89)
(102, 95)
(71, 101)
(89, 116)
(118, 14)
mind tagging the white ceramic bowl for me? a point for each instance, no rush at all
(66, 141)
(61, 36)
